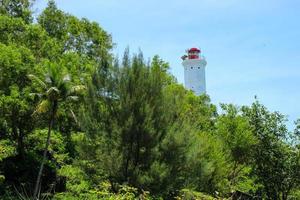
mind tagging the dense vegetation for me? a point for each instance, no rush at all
(78, 123)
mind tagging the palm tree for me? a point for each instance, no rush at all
(55, 88)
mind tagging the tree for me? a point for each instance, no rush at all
(194, 156)
(17, 8)
(53, 21)
(76, 35)
(54, 90)
(127, 118)
(16, 106)
(276, 163)
(235, 132)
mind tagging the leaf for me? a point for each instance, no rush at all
(72, 98)
(39, 95)
(42, 107)
(53, 92)
(66, 78)
(38, 80)
(77, 89)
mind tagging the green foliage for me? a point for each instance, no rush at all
(136, 124)
(236, 134)
(15, 63)
(295, 194)
(6, 149)
(276, 164)
(56, 148)
(12, 29)
(16, 8)
(193, 195)
(206, 165)
(75, 35)
(103, 191)
(76, 180)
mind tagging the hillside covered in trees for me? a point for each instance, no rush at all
(78, 123)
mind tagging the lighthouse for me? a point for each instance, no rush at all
(194, 71)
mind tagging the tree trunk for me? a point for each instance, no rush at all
(38, 180)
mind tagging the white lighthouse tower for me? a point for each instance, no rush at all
(194, 71)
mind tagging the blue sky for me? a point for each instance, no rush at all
(252, 46)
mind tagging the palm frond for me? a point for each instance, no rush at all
(72, 98)
(66, 78)
(53, 92)
(74, 116)
(48, 79)
(38, 80)
(77, 89)
(42, 107)
(34, 94)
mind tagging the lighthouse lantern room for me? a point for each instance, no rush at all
(194, 71)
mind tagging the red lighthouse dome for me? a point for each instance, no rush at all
(193, 53)
(194, 49)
